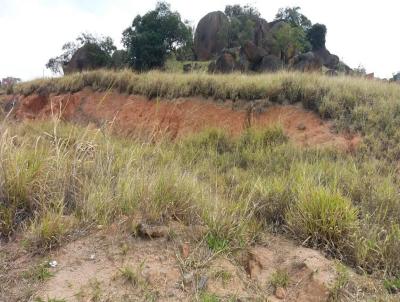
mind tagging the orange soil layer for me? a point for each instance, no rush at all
(131, 114)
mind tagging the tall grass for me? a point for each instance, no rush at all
(57, 179)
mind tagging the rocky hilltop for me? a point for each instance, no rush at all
(260, 51)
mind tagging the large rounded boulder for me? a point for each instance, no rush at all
(90, 56)
(207, 42)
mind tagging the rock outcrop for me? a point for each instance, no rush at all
(260, 53)
(206, 40)
(89, 56)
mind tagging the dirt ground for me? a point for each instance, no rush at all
(115, 265)
(132, 114)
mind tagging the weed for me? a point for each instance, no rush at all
(341, 282)
(208, 297)
(280, 278)
(222, 275)
(124, 249)
(129, 275)
(95, 287)
(133, 276)
(216, 244)
(39, 272)
(392, 285)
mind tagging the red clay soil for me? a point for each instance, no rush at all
(130, 114)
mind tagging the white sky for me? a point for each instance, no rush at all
(31, 31)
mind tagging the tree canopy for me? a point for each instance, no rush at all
(293, 16)
(240, 27)
(290, 40)
(153, 36)
(316, 35)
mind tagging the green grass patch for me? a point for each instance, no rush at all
(216, 244)
(392, 285)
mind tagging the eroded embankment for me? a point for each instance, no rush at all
(132, 114)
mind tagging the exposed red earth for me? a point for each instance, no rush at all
(130, 114)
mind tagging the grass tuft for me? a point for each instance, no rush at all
(323, 218)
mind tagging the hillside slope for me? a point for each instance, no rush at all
(200, 188)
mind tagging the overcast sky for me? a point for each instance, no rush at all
(32, 31)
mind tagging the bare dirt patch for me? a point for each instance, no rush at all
(113, 264)
(132, 114)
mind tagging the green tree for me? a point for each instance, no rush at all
(316, 35)
(299, 22)
(240, 28)
(101, 49)
(186, 52)
(293, 16)
(289, 40)
(153, 36)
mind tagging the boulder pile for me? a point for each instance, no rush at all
(258, 54)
